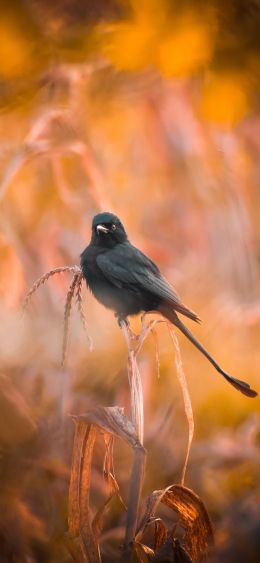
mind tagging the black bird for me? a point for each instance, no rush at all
(123, 279)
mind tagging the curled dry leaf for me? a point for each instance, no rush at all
(194, 518)
(192, 514)
(152, 503)
(160, 532)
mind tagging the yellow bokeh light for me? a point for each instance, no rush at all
(16, 51)
(187, 48)
(133, 45)
(224, 98)
(130, 46)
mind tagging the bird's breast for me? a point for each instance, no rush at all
(125, 298)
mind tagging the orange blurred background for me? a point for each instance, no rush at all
(149, 109)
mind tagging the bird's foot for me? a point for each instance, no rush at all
(123, 320)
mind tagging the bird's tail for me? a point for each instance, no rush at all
(242, 386)
(181, 308)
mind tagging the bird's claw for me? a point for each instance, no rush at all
(123, 320)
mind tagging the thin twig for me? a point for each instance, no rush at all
(67, 311)
(81, 312)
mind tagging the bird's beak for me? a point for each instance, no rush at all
(102, 229)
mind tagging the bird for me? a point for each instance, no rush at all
(125, 280)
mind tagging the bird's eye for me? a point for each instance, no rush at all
(113, 227)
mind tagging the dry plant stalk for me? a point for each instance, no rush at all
(134, 345)
(82, 316)
(74, 291)
(67, 310)
(45, 277)
(84, 532)
(135, 383)
(82, 529)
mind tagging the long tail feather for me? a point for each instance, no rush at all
(241, 386)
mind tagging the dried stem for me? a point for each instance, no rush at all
(135, 489)
(67, 310)
(157, 352)
(137, 407)
(45, 277)
(186, 397)
(135, 383)
(81, 312)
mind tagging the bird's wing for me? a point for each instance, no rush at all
(126, 266)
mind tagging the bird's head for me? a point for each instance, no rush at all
(107, 230)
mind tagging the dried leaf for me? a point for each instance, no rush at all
(186, 397)
(79, 511)
(112, 419)
(97, 523)
(151, 505)
(108, 466)
(160, 533)
(74, 516)
(194, 518)
(172, 552)
(144, 553)
(108, 471)
(74, 548)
